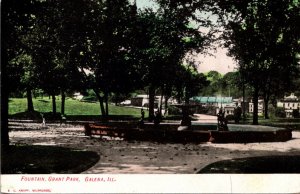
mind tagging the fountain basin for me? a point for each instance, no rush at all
(168, 132)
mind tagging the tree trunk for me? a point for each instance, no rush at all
(100, 99)
(255, 106)
(166, 104)
(179, 95)
(187, 96)
(4, 97)
(266, 106)
(151, 103)
(161, 99)
(243, 103)
(116, 99)
(63, 100)
(29, 100)
(106, 103)
(4, 115)
(53, 104)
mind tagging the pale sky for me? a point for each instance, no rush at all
(219, 62)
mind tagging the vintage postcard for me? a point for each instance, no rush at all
(150, 96)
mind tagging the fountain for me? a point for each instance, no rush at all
(186, 121)
(187, 132)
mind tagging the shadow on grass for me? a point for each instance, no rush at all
(45, 101)
(37, 116)
(100, 118)
(28, 159)
(256, 165)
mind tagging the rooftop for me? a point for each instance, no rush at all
(212, 99)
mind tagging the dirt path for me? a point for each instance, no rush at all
(117, 156)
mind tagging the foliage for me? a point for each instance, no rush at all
(17, 21)
(230, 117)
(262, 37)
(279, 112)
(296, 113)
(237, 114)
(193, 82)
(163, 39)
(230, 84)
(172, 110)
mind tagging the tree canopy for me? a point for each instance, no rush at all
(113, 48)
(263, 36)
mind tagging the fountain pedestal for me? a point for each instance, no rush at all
(186, 121)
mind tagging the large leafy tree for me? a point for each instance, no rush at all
(215, 86)
(164, 37)
(106, 50)
(51, 43)
(16, 21)
(193, 83)
(263, 36)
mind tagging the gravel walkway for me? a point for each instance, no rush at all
(118, 156)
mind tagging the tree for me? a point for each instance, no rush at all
(214, 87)
(107, 48)
(42, 43)
(194, 83)
(57, 41)
(26, 78)
(263, 38)
(231, 82)
(165, 39)
(16, 21)
(152, 53)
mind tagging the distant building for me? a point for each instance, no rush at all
(140, 100)
(143, 101)
(77, 96)
(215, 102)
(211, 101)
(244, 104)
(289, 103)
(260, 107)
(228, 109)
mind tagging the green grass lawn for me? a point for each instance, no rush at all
(72, 107)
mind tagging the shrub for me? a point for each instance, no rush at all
(237, 114)
(211, 110)
(173, 110)
(296, 113)
(230, 117)
(279, 112)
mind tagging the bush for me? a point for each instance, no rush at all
(173, 110)
(230, 117)
(271, 111)
(296, 113)
(279, 112)
(237, 114)
(211, 110)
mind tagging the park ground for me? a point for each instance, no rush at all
(139, 157)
